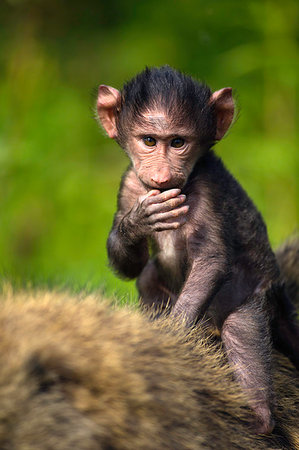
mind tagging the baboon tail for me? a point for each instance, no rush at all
(288, 260)
(286, 327)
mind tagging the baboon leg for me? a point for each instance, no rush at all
(246, 338)
(153, 293)
(285, 329)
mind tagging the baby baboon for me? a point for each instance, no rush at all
(189, 232)
(80, 375)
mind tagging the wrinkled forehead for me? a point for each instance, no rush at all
(157, 120)
(160, 122)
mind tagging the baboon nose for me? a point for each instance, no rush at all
(162, 177)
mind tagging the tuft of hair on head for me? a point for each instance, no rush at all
(184, 100)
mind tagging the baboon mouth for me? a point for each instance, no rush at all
(165, 188)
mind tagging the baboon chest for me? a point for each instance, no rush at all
(170, 251)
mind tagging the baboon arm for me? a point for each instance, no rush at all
(127, 255)
(203, 282)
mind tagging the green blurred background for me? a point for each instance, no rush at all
(59, 174)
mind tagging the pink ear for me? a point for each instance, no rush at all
(224, 109)
(108, 100)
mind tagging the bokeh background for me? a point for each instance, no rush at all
(59, 174)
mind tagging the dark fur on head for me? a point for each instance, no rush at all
(184, 100)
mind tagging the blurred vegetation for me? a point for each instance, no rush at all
(59, 175)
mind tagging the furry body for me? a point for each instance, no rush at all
(75, 373)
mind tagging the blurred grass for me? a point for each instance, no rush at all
(59, 175)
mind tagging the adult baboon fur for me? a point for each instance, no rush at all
(76, 373)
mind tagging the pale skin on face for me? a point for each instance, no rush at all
(159, 127)
(163, 153)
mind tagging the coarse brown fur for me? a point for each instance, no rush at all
(76, 373)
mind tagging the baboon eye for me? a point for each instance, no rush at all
(177, 142)
(149, 141)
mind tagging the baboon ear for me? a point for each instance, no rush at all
(224, 109)
(107, 103)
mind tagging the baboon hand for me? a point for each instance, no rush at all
(156, 211)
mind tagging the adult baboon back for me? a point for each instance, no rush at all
(79, 374)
